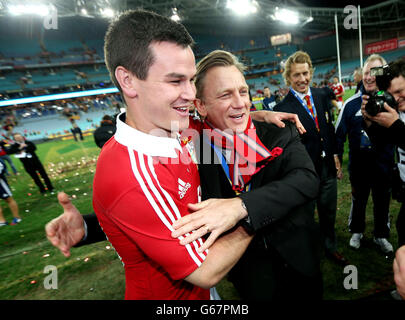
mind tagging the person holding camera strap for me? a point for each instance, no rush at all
(370, 164)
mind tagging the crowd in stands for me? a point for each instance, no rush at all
(71, 109)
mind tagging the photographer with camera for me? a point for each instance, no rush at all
(389, 125)
(370, 164)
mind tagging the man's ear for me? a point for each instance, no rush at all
(126, 80)
(200, 105)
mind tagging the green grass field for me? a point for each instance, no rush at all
(95, 272)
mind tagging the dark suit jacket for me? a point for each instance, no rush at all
(30, 164)
(315, 142)
(279, 203)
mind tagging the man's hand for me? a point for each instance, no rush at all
(366, 116)
(66, 230)
(386, 119)
(213, 216)
(399, 271)
(277, 117)
(339, 171)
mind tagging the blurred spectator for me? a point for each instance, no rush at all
(106, 130)
(332, 103)
(358, 76)
(269, 100)
(339, 91)
(5, 194)
(25, 151)
(5, 157)
(76, 130)
(67, 112)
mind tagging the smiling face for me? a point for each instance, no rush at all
(163, 99)
(397, 89)
(300, 77)
(18, 138)
(369, 82)
(225, 99)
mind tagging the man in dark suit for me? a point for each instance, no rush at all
(277, 194)
(25, 151)
(311, 106)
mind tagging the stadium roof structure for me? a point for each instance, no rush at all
(214, 16)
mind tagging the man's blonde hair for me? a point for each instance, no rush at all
(297, 57)
(216, 58)
(372, 58)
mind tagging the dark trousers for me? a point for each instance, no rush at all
(401, 225)
(77, 131)
(267, 276)
(326, 204)
(365, 179)
(33, 172)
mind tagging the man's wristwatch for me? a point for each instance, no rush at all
(246, 222)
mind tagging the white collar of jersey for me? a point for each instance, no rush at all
(145, 143)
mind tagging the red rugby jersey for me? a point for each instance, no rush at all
(142, 185)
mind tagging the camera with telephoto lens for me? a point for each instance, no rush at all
(376, 101)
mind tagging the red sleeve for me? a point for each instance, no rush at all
(145, 215)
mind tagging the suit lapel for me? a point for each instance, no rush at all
(305, 118)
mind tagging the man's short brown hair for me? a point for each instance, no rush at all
(216, 58)
(128, 39)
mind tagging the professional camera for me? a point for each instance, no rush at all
(376, 101)
(383, 77)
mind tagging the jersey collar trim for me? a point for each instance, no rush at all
(145, 143)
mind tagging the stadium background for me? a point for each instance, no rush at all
(37, 60)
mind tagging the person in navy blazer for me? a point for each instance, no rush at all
(319, 140)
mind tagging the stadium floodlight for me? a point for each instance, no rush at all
(107, 12)
(242, 7)
(175, 16)
(20, 9)
(286, 16)
(58, 96)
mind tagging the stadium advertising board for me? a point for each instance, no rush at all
(381, 46)
(280, 39)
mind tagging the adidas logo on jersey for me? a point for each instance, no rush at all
(183, 187)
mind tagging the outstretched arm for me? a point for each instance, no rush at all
(66, 230)
(277, 119)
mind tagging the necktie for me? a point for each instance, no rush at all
(311, 109)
